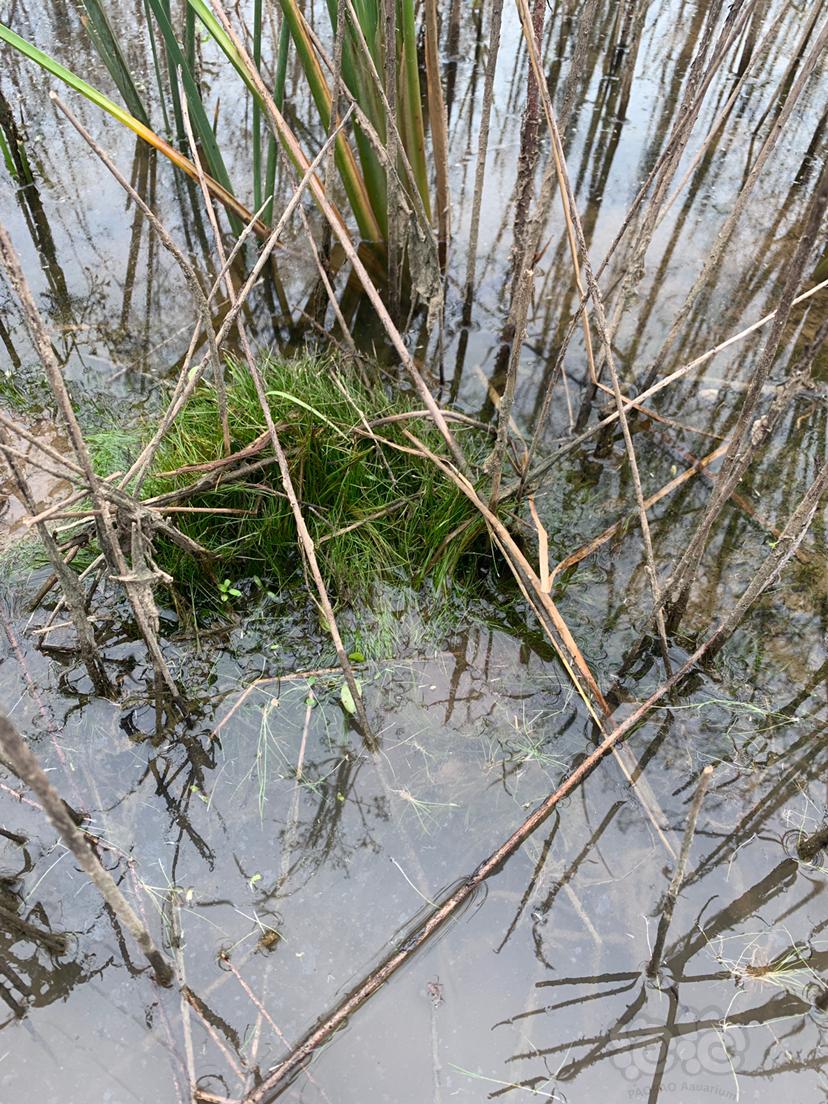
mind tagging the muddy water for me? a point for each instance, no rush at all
(264, 835)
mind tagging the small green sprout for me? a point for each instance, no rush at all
(227, 591)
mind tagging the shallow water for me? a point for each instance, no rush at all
(264, 832)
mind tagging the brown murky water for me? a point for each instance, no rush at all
(263, 833)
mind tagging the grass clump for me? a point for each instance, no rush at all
(376, 514)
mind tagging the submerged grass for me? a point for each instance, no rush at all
(376, 514)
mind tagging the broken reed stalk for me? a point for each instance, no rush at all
(634, 207)
(137, 581)
(748, 434)
(70, 585)
(388, 14)
(677, 880)
(305, 539)
(717, 251)
(580, 254)
(531, 241)
(482, 151)
(28, 770)
(520, 313)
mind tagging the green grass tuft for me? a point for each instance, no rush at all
(426, 527)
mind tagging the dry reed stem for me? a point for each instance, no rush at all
(748, 434)
(556, 630)
(28, 770)
(256, 684)
(579, 247)
(686, 114)
(543, 549)
(388, 15)
(439, 129)
(63, 461)
(191, 278)
(193, 1001)
(305, 539)
(482, 147)
(34, 462)
(786, 547)
(139, 580)
(810, 846)
(636, 203)
(520, 313)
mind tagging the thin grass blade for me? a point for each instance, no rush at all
(102, 35)
(198, 115)
(121, 115)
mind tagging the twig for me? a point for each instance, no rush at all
(28, 770)
(677, 879)
(602, 538)
(575, 443)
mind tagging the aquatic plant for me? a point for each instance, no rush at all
(376, 512)
(375, 67)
